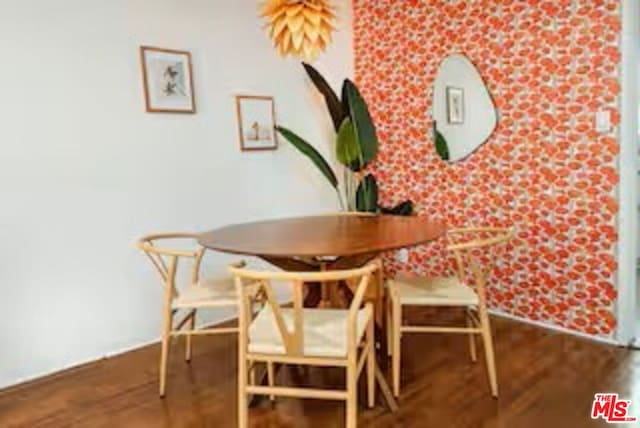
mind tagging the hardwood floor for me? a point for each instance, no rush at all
(546, 380)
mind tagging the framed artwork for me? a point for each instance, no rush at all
(256, 122)
(167, 80)
(455, 105)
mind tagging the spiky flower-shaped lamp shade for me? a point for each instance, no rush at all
(301, 28)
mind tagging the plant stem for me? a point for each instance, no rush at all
(350, 177)
(345, 177)
(340, 199)
(365, 189)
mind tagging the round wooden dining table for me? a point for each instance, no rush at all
(329, 242)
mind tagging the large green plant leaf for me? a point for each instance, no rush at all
(344, 96)
(363, 125)
(334, 105)
(309, 151)
(404, 209)
(367, 194)
(347, 150)
(355, 164)
(441, 145)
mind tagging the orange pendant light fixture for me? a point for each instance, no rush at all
(300, 28)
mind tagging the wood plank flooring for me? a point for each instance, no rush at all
(546, 380)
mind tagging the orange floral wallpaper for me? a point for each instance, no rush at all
(550, 65)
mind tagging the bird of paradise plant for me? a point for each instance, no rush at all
(356, 147)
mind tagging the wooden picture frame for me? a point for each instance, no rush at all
(455, 105)
(167, 77)
(256, 122)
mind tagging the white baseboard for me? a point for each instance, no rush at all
(137, 346)
(31, 378)
(608, 341)
(37, 376)
(157, 340)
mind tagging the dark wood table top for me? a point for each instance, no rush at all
(327, 235)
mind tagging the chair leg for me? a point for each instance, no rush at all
(397, 335)
(488, 349)
(389, 322)
(371, 365)
(472, 338)
(164, 354)
(271, 379)
(189, 345)
(243, 403)
(352, 395)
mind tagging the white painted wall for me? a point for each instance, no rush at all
(628, 217)
(84, 171)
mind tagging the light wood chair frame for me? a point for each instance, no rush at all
(166, 261)
(294, 340)
(477, 317)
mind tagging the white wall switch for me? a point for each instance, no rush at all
(402, 255)
(603, 121)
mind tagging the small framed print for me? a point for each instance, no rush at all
(256, 122)
(167, 80)
(455, 105)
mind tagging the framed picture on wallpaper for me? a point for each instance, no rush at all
(256, 122)
(455, 105)
(167, 80)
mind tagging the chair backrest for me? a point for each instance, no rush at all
(255, 284)
(165, 259)
(474, 248)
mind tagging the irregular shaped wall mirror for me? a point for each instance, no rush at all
(463, 110)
